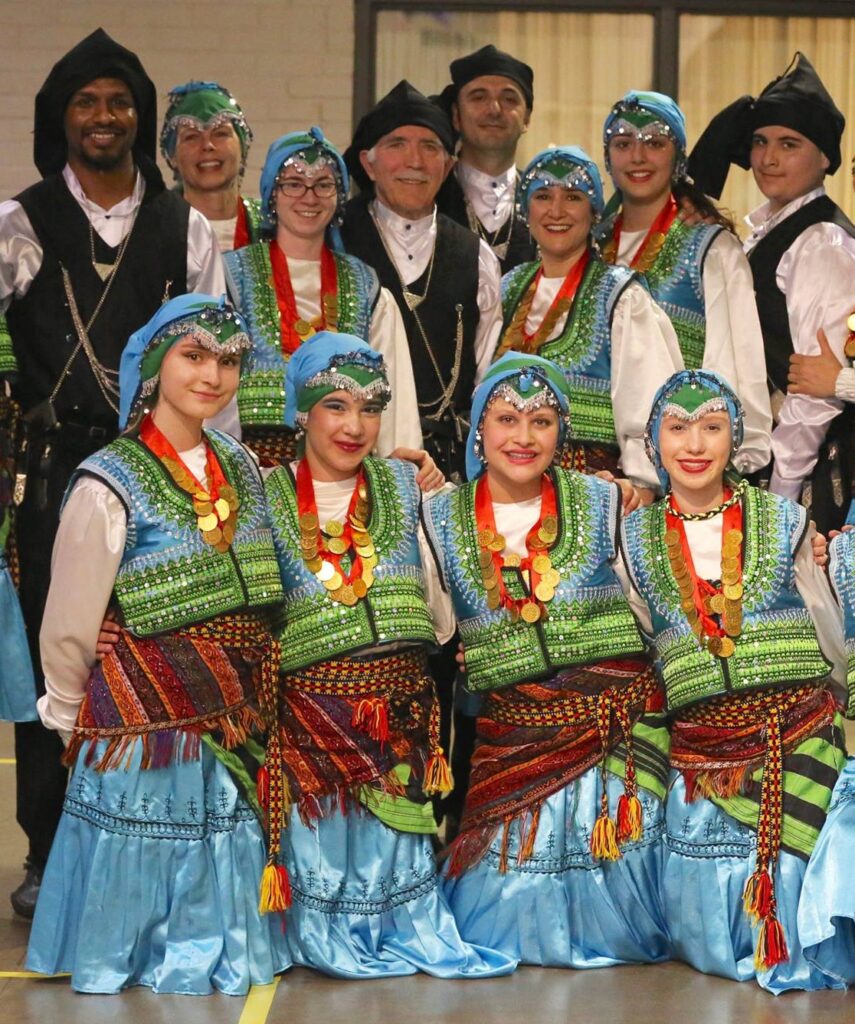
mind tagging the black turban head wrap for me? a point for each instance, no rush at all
(403, 105)
(487, 61)
(96, 56)
(797, 100)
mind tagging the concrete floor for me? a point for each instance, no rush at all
(664, 994)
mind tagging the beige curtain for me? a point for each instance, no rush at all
(722, 58)
(576, 74)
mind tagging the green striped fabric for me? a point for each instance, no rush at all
(810, 773)
(651, 750)
(399, 812)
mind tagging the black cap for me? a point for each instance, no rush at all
(96, 56)
(490, 61)
(402, 105)
(797, 100)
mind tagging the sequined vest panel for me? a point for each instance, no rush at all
(261, 396)
(841, 570)
(589, 618)
(584, 348)
(169, 577)
(395, 608)
(778, 646)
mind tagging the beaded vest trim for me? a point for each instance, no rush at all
(778, 645)
(589, 617)
(261, 396)
(8, 362)
(583, 350)
(394, 610)
(169, 577)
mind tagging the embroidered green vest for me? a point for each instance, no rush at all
(8, 362)
(583, 350)
(169, 577)
(261, 395)
(778, 646)
(394, 610)
(589, 618)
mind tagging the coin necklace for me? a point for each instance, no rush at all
(293, 329)
(543, 577)
(714, 613)
(215, 503)
(516, 336)
(323, 549)
(650, 248)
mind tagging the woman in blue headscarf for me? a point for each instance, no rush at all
(358, 731)
(697, 274)
(298, 280)
(558, 860)
(748, 646)
(155, 872)
(596, 322)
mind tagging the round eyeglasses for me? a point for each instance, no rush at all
(326, 188)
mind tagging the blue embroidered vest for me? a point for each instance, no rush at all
(261, 396)
(778, 646)
(589, 618)
(169, 577)
(394, 610)
(583, 350)
(676, 282)
(841, 570)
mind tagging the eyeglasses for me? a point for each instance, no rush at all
(326, 188)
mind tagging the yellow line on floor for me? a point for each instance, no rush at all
(7, 760)
(30, 974)
(258, 1003)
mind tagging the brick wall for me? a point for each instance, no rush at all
(290, 63)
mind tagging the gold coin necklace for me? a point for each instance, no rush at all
(215, 502)
(543, 577)
(714, 613)
(323, 549)
(649, 250)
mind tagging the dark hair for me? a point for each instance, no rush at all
(685, 189)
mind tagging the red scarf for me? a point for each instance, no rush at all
(289, 339)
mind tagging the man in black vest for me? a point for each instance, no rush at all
(802, 255)
(90, 252)
(489, 102)
(445, 280)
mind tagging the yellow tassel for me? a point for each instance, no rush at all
(437, 774)
(275, 889)
(604, 839)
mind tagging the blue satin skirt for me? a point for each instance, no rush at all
(563, 908)
(367, 904)
(153, 879)
(17, 687)
(709, 857)
(827, 906)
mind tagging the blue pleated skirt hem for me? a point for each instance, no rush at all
(561, 907)
(17, 687)
(367, 904)
(153, 880)
(709, 857)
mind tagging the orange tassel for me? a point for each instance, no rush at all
(771, 945)
(437, 774)
(630, 823)
(604, 839)
(757, 896)
(275, 889)
(371, 717)
(262, 786)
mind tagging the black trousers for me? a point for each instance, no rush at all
(41, 778)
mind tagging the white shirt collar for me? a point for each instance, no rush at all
(401, 227)
(763, 219)
(491, 195)
(122, 209)
(490, 184)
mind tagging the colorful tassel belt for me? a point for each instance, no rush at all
(339, 725)
(167, 691)
(535, 738)
(716, 745)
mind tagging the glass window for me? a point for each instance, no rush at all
(582, 63)
(722, 58)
